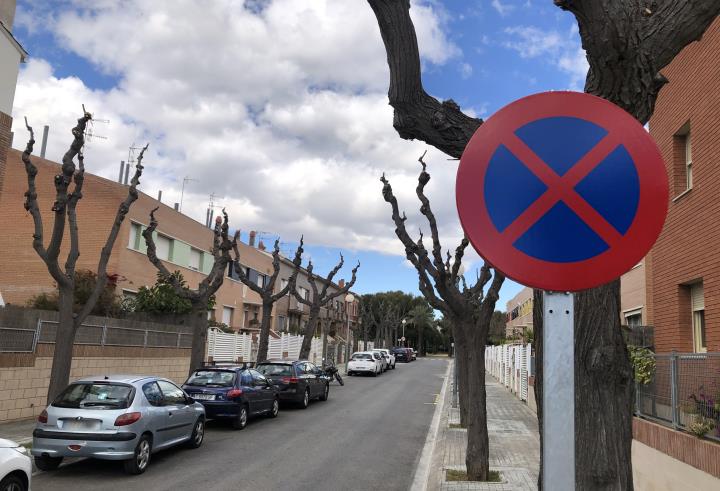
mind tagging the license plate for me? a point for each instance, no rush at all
(75, 425)
(204, 397)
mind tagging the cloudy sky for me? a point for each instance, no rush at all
(279, 107)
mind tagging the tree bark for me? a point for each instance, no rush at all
(310, 331)
(461, 355)
(199, 323)
(478, 446)
(264, 332)
(538, 348)
(64, 342)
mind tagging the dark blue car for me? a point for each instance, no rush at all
(233, 392)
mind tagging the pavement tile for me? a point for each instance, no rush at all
(514, 443)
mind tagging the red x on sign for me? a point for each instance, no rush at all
(562, 191)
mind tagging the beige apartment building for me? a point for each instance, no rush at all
(519, 314)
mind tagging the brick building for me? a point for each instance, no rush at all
(519, 314)
(683, 268)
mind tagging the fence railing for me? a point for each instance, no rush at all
(511, 364)
(13, 340)
(684, 392)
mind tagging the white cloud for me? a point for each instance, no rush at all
(502, 7)
(281, 111)
(466, 70)
(563, 50)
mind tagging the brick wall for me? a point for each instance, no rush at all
(5, 130)
(687, 250)
(23, 390)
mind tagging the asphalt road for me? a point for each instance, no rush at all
(368, 435)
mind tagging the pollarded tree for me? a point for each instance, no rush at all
(627, 43)
(199, 298)
(470, 310)
(65, 212)
(266, 291)
(320, 299)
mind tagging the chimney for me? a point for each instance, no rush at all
(46, 129)
(212, 212)
(127, 172)
(341, 283)
(177, 206)
(261, 246)
(207, 217)
(160, 196)
(251, 238)
(122, 170)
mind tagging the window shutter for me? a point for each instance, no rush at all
(697, 297)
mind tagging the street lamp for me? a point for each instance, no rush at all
(349, 298)
(403, 336)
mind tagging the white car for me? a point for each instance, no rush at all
(365, 362)
(15, 466)
(388, 357)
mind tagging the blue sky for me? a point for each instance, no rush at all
(291, 120)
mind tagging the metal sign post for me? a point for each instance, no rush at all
(558, 392)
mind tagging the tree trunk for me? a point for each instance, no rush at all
(461, 349)
(199, 323)
(64, 342)
(604, 392)
(421, 345)
(309, 334)
(323, 327)
(264, 332)
(477, 457)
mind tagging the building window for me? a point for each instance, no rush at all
(163, 247)
(633, 318)
(687, 144)
(135, 236)
(227, 315)
(304, 293)
(697, 302)
(195, 259)
(282, 323)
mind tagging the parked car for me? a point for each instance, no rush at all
(234, 393)
(15, 466)
(384, 360)
(402, 354)
(365, 362)
(117, 417)
(297, 381)
(387, 356)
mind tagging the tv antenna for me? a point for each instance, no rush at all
(186, 180)
(90, 134)
(211, 208)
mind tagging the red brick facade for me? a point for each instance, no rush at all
(687, 252)
(5, 132)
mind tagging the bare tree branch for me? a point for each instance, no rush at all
(122, 212)
(417, 115)
(31, 204)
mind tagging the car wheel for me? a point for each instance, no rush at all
(13, 483)
(139, 462)
(374, 374)
(305, 402)
(326, 392)
(47, 463)
(198, 434)
(275, 409)
(240, 421)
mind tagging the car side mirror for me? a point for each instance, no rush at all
(189, 400)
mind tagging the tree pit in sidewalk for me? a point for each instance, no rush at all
(461, 475)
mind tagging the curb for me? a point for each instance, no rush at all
(422, 471)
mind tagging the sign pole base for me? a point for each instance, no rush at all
(558, 402)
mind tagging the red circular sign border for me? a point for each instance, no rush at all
(573, 276)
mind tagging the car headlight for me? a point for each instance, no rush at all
(22, 450)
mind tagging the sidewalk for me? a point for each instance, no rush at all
(18, 431)
(514, 443)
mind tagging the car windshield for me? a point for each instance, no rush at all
(95, 395)
(271, 369)
(212, 378)
(362, 356)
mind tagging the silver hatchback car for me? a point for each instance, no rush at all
(117, 417)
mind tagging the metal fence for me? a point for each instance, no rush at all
(14, 340)
(684, 392)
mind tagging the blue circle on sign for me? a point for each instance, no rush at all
(611, 188)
